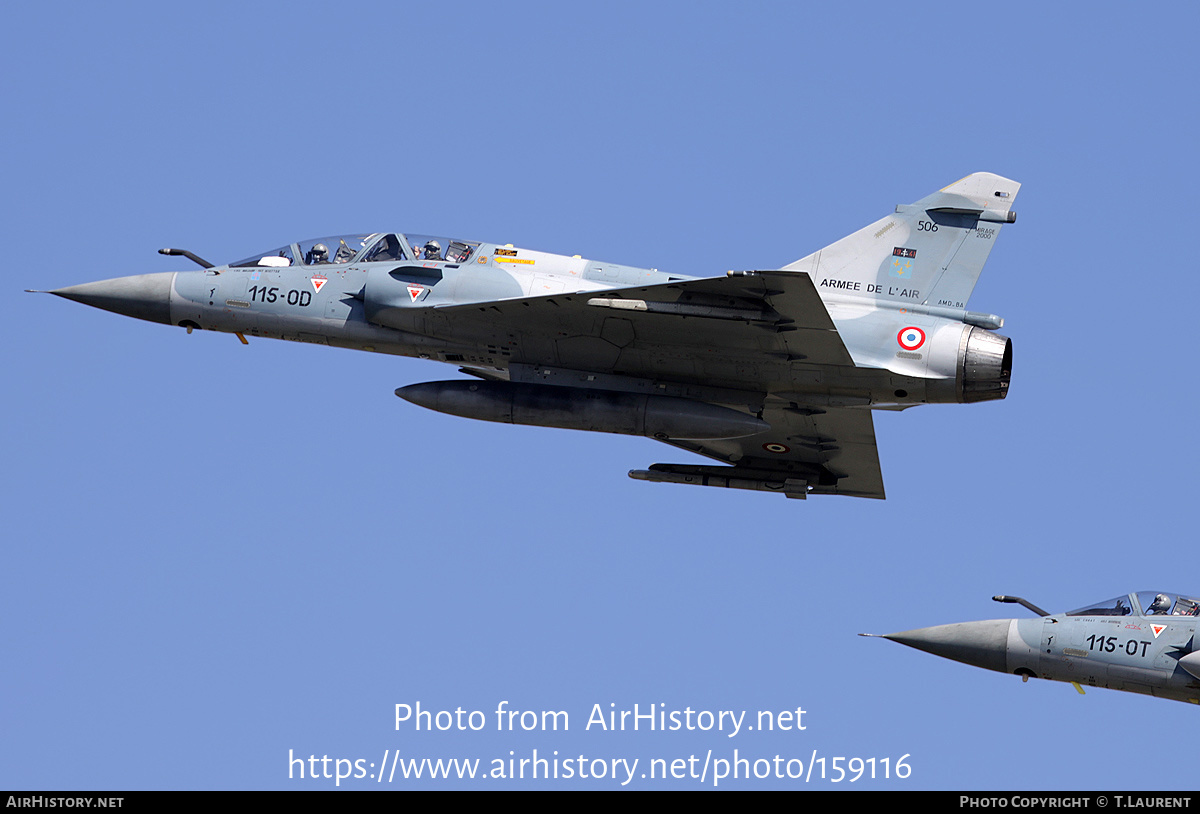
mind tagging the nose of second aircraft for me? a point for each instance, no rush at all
(982, 644)
(143, 296)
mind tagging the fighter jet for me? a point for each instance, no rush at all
(1142, 642)
(772, 373)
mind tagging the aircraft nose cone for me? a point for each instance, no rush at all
(982, 644)
(143, 296)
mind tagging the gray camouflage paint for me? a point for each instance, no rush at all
(1124, 647)
(788, 363)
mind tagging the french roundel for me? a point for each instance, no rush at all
(911, 338)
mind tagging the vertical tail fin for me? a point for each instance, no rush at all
(930, 252)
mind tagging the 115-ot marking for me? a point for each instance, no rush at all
(1108, 644)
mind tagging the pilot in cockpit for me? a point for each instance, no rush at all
(432, 251)
(317, 255)
(1161, 605)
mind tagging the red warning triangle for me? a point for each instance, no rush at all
(1158, 629)
(415, 291)
(318, 282)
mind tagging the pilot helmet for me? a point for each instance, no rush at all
(320, 253)
(1161, 604)
(433, 249)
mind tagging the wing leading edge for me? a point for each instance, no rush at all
(750, 317)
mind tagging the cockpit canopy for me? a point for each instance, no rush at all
(379, 247)
(1143, 603)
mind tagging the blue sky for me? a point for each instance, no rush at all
(220, 555)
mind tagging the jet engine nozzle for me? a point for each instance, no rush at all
(984, 366)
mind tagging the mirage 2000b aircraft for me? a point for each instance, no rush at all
(1141, 642)
(772, 373)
